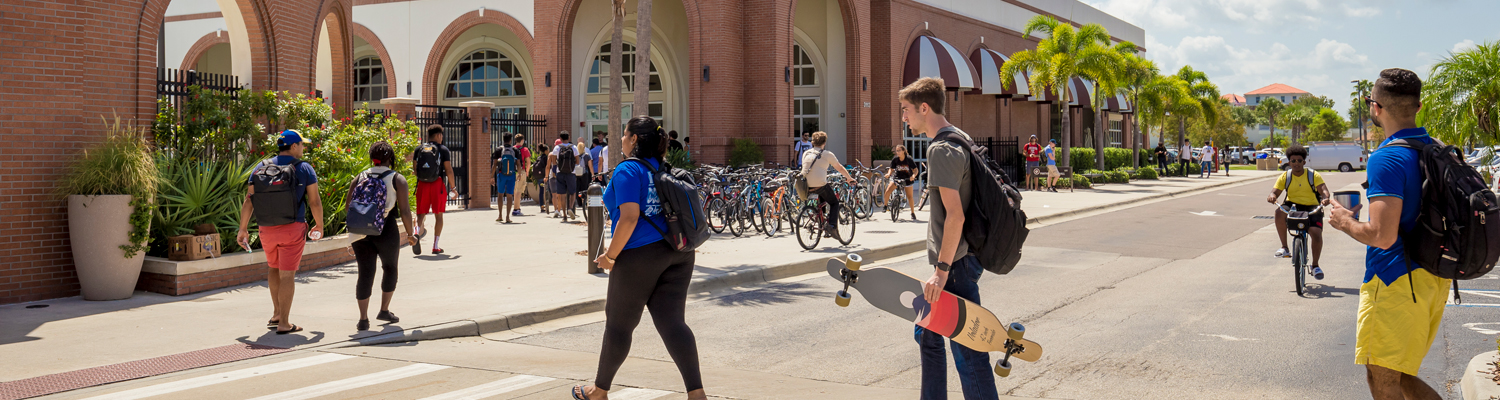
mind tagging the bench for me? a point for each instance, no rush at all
(1040, 172)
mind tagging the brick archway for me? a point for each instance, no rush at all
(360, 31)
(433, 70)
(203, 44)
(856, 69)
(152, 17)
(336, 16)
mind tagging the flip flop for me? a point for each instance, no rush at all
(294, 329)
(272, 324)
(578, 393)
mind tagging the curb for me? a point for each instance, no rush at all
(753, 276)
(1131, 202)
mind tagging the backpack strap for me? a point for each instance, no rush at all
(663, 203)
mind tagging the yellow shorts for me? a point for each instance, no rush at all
(1394, 332)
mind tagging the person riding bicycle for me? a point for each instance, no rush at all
(1304, 192)
(903, 170)
(815, 163)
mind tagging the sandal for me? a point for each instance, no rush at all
(578, 393)
(272, 324)
(294, 329)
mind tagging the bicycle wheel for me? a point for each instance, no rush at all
(809, 227)
(846, 219)
(717, 217)
(752, 214)
(735, 222)
(894, 205)
(863, 205)
(1299, 263)
(769, 217)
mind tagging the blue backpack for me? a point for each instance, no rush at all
(508, 161)
(367, 205)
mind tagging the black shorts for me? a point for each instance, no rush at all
(1313, 219)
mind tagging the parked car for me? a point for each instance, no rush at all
(1345, 157)
(1478, 156)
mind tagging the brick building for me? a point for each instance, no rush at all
(722, 69)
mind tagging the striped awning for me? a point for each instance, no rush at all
(990, 82)
(1080, 93)
(932, 57)
(1119, 104)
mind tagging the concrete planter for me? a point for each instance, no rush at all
(97, 227)
(1479, 385)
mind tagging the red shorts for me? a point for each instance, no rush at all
(432, 197)
(283, 245)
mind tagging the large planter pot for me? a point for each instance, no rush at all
(98, 226)
(1478, 385)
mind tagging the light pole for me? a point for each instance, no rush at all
(1360, 113)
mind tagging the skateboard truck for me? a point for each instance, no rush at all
(1015, 331)
(850, 275)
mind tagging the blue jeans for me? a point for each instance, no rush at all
(974, 372)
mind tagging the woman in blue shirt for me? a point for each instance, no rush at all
(644, 271)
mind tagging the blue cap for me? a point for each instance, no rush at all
(1052, 140)
(290, 137)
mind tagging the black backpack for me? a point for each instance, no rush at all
(275, 199)
(566, 159)
(1453, 238)
(429, 162)
(538, 169)
(682, 205)
(994, 224)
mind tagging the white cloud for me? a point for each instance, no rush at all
(1324, 70)
(1360, 12)
(1255, 16)
(1461, 46)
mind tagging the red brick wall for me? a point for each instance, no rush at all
(58, 84)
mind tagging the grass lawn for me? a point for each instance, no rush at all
(1241, 167)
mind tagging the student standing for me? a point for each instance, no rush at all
(506, 163)
(674, 145)
(387, 245)
(521, 184)
(954, 269)
(1033, 153)
(432, 162)
(1161, 156)
(1185, 156)
(287, 189)
(800, 148)
(644, 271)
(562, 163)
(1052, 173)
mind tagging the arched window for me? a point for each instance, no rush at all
(369, 79)
(485, 73)
(803, 72)
(599, 70)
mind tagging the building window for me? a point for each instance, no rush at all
(598, 115)
(1116, 134)
(803, 72)
(485, 73)
(369, 80)
(1056, 122)
(599, 71)
(804, 116)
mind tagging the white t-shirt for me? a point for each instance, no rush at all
(557, 150)
(815, 167)
(1208, 153)
(1185, 153)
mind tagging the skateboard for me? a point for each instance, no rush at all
(954, 317)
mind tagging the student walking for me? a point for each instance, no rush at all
(1185, 156)
(644, 271)
(562, 163)
(524, 155)
(380, 185)
(1052, 173)
(801, 147)
(584, 174)
(1206, 161)
(539, 185)
(954, 269)
(1400, 303)
(282, 190)
(506, 163)
(1161, 157)
(432, 162)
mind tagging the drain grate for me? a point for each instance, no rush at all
(1262, 217)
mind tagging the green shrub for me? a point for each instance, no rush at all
(1175, 169)
(198, 192)
(1116, 177)
(1078, 181)
(746, 152)
(121, 164)
(1081, 158)
(340, 150)
(681, 159)
(1147, 173)
(879, 153)
(1115, 158)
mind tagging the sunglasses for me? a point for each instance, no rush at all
(1369, 100)
(1294, 160)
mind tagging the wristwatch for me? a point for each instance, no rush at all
(942, 266)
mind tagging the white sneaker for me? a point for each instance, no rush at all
(1283, 253)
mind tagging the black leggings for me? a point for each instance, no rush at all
(656, 277)
(386, 246)
(826, 195)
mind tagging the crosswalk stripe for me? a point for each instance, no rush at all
(328, 388)
(637, 394)
(493, 388)
(185, 384)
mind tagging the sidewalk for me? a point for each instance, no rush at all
(493, 277)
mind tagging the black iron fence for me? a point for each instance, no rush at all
(174, 84)
(455, 123)
(1007, 153)
(503, 123)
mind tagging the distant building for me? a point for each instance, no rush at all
(1279, 91)
(1234, 99)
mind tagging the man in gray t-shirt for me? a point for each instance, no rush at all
(948, 168)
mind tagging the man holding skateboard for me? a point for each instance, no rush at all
(954, 269)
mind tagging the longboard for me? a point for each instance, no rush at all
(953, 317)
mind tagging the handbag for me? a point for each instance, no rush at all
(800, 181)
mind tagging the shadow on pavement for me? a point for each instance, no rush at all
(435, 257)
(1319, 291)
(287, 341)
(782, 294)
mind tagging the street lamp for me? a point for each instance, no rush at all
(1360, 113)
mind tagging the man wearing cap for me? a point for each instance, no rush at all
(1033, 153)
(283, 242)
(1052, 173)
(432, 188)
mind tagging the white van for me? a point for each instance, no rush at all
(1342, 156)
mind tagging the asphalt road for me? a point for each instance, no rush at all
(1175, 299)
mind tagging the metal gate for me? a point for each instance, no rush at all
(512, 121)
(455, 123)
(1007, 153)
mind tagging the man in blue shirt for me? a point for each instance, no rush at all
(801, 147)
(1400, 304)
(281, 211)
(1052, 173)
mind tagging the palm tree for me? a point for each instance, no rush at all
(1065, 54)
(1202, 95)
(1461, 98)
(1137, 75)
(1245, 116)
(616, 84)
(642, 58)
(1358, 109)
(1156, 99)
(1297, 118)
(1269, 109)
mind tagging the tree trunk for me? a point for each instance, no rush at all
(642, 59)
(1101, 119)
(616, 85)
(1067, 129)
(1135, 130)
(1182, 135)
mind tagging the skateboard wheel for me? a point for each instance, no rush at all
(1002, 368)
(854, 261)
(1015, 330)
(841, 298)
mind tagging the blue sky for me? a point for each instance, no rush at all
(1313, 45)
